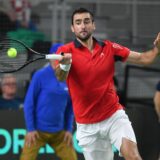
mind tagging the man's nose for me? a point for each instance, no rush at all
(83, 25)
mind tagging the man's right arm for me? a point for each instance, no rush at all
(62, 69)
(61, 74)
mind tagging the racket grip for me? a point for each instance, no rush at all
(53, 56)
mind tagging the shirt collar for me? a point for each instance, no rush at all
(78, 44)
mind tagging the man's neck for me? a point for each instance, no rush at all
(8, 97)
(88, 43)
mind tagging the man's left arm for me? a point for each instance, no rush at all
(147, 57)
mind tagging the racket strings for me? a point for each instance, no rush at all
(9, 63)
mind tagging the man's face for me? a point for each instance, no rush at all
(83, 26)
(9, 87)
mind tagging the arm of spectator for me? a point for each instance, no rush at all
(31, 138)
(157, 103)
(69, 117)
(30, 103)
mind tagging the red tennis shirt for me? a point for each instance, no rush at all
(90, 79)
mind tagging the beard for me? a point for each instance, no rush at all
(84, 38)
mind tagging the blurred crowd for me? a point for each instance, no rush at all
(15, 14)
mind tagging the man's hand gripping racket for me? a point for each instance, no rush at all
(65, 61)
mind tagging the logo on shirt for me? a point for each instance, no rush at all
(117, 46)
(102, 55)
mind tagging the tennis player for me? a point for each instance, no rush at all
(88, 65)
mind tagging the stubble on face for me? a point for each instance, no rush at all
(84, 38)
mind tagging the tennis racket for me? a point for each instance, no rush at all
(15, 55)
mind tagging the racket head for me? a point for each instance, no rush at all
(23, 57)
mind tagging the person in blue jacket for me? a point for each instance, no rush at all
(157, 100)
(48, 115)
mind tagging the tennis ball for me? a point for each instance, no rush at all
(12, 52)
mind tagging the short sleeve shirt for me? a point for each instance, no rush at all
(90, 79)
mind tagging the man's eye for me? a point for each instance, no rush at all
(78, 23)
(87, 21)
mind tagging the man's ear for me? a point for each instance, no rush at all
(72, 29)
(94, 26)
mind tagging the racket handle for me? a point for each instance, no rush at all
(53, 56)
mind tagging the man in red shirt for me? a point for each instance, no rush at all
(88, 66)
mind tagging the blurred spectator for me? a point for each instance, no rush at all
(18, 12)
(48, 115)
(157, 100)
(8, 99)
(6, 7)
(7, 18)
(22, 9)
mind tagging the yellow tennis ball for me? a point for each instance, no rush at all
(12, 52)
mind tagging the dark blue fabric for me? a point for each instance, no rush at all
(158, 86)
(55, 47)
(13, 104)
(47, 103)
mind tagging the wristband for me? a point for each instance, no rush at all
(65, 67)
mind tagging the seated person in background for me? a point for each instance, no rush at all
(157, 100)
(15, 14)
(48, 115)
(8, 99)
(22, 10)
(6, 8)
(7, 18)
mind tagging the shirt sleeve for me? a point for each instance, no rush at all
(30, 103)
(158, 86)
(69, 117)
(120, 52)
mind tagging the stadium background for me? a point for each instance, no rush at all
(133, 23)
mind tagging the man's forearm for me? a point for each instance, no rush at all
(62, 69)
(61, 74)
(150, 55)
